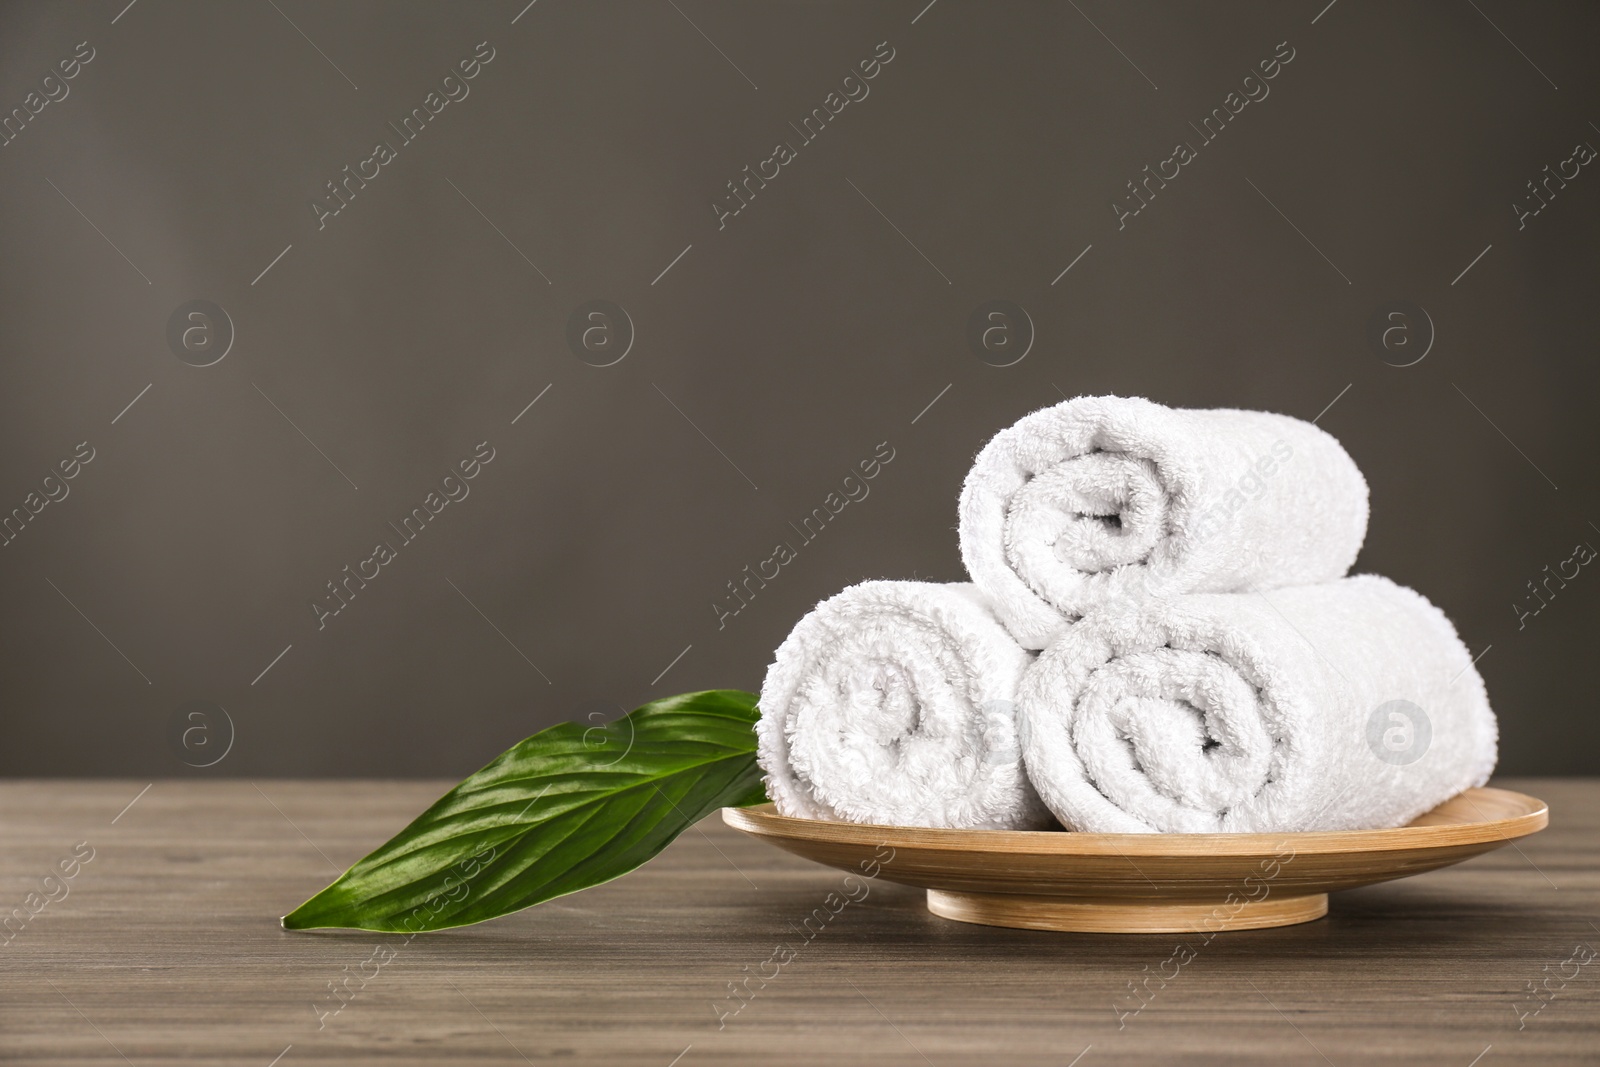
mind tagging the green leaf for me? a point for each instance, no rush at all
(569, 808)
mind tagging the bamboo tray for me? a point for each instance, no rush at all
(1148, 883)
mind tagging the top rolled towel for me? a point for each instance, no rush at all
(1104, 498)
(892, 703)
(1351, 705)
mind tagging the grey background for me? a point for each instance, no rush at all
(821, 321)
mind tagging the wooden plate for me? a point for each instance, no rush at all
(1148, 883)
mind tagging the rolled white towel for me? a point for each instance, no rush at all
(893, 703)
(1348, 705)
(1102, 498)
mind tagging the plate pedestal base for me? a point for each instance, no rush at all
(1125, 916)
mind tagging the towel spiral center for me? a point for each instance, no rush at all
(889, 720)
(1094, 512)
(1175, 724)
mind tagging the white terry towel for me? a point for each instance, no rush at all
(1102, 498)
(1349, 705)
(893, 703)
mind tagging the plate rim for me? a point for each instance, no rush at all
(762, 820)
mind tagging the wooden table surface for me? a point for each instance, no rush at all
(166, 948)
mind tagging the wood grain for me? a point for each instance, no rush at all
(1087, 916)
(167, 949)
(1148, 883)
